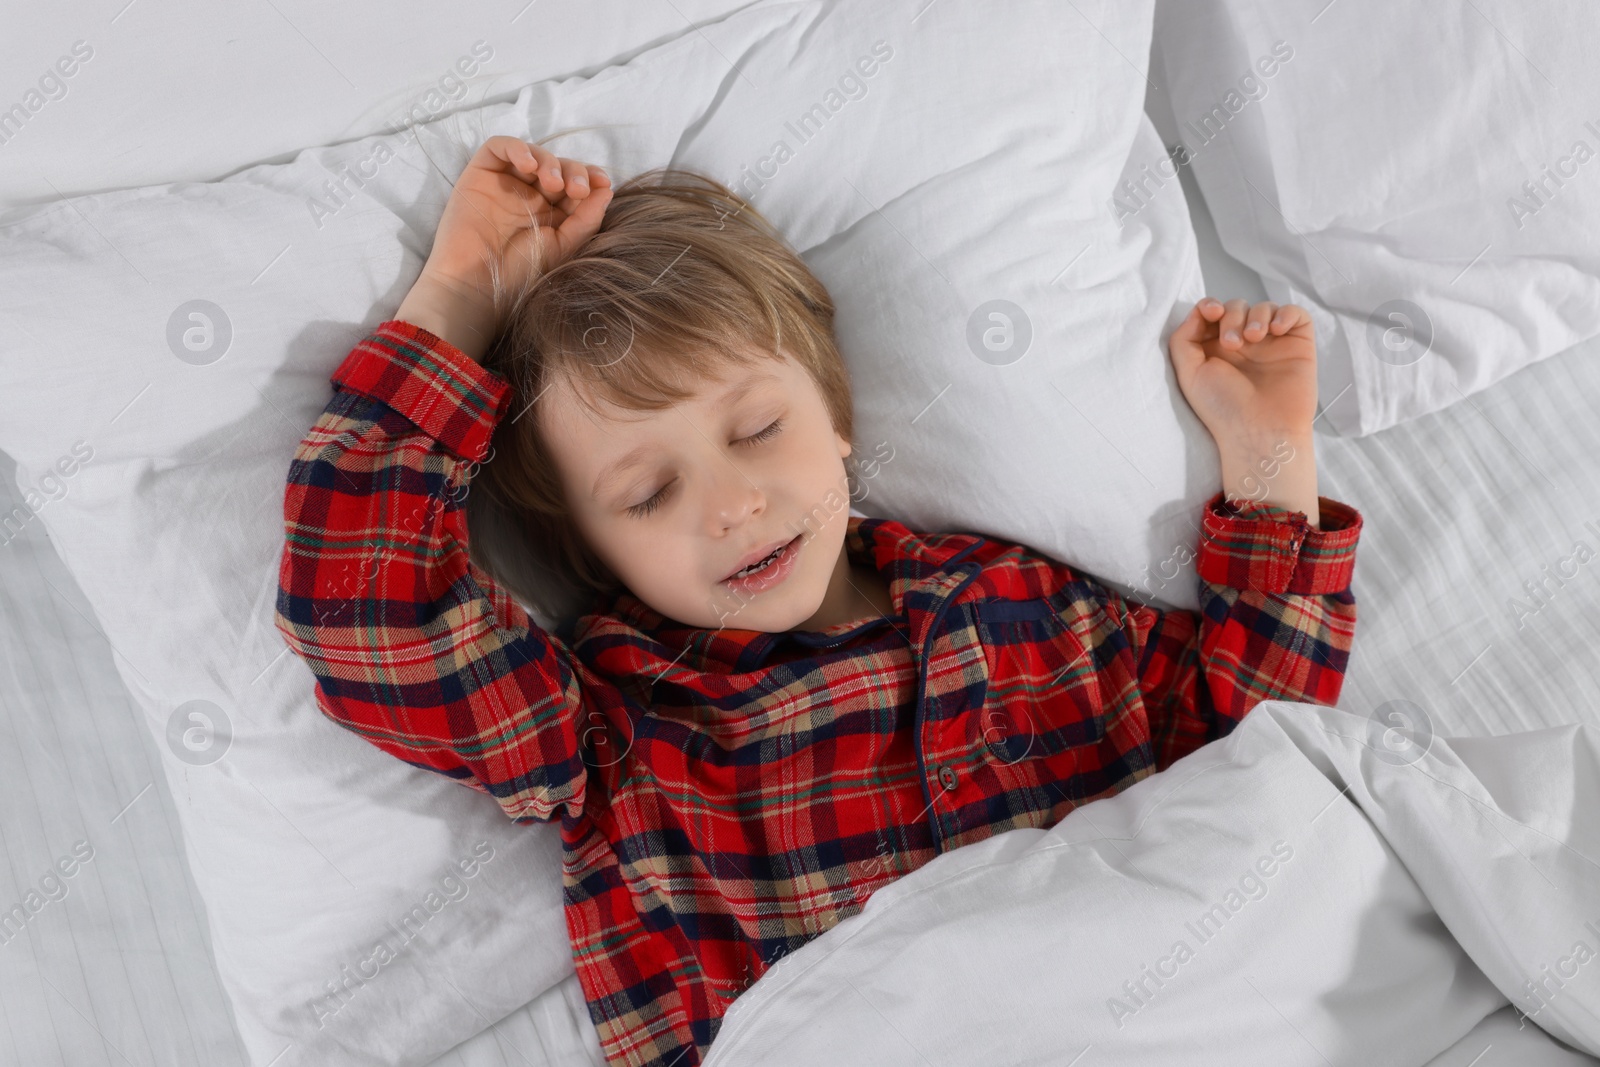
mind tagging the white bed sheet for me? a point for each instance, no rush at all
(1462, 507)
(119, 969)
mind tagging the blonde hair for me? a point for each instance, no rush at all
(683, 278)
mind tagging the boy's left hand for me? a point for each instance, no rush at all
(1248, 372)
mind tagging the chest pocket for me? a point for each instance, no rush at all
(1045, 698)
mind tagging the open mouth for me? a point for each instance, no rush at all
(767, 571)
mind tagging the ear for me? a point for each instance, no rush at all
(844, 446)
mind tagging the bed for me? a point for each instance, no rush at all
(1469, 509)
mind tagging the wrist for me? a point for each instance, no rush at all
(453, 311)
(1277, 468)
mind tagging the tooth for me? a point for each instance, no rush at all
(759, 565)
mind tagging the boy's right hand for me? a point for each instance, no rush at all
(516, 211)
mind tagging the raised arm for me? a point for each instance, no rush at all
(415, 648)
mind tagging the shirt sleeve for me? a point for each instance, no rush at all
(414, 648)
(1276, 622)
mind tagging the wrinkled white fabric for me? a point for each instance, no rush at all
(1427, 187)
(1302, 892)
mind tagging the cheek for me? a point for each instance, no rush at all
(811, 462)
(648, 556)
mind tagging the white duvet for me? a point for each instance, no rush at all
(1314, 889)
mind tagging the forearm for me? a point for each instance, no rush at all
(1304, 660)
(1200, 672)
(453, 312)
(1272, 468)
(1276, 622)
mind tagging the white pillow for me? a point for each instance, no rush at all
(187, 332)
(987, 228)
(1370, 161)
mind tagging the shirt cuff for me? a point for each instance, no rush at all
(448, 395)
(1275, 550)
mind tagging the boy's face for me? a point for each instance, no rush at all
(676, 501)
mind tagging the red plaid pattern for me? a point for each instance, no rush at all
(727, 795)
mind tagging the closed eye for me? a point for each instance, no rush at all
(645, 507)
(765, 435)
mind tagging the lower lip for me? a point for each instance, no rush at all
(771, 575)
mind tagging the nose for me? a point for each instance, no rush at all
(734, 499)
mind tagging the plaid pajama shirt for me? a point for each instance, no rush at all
(727, 795)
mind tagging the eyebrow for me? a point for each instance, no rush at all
(616, 470)
(635, 455)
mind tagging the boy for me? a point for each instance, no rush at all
(777, 707)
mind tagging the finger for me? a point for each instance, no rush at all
(535, 165)
(526, 158)
(1211, 309)
(1184, 344)
(547, 176)
(1232, 322)
(1192, 326)
(503, 153)
(597, 180)
(1290, 317)
(584, 218)
(1256, 322)
(575, 178)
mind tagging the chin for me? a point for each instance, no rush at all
(791, 620)
(781, 615)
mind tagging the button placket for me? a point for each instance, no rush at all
(927, 622)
